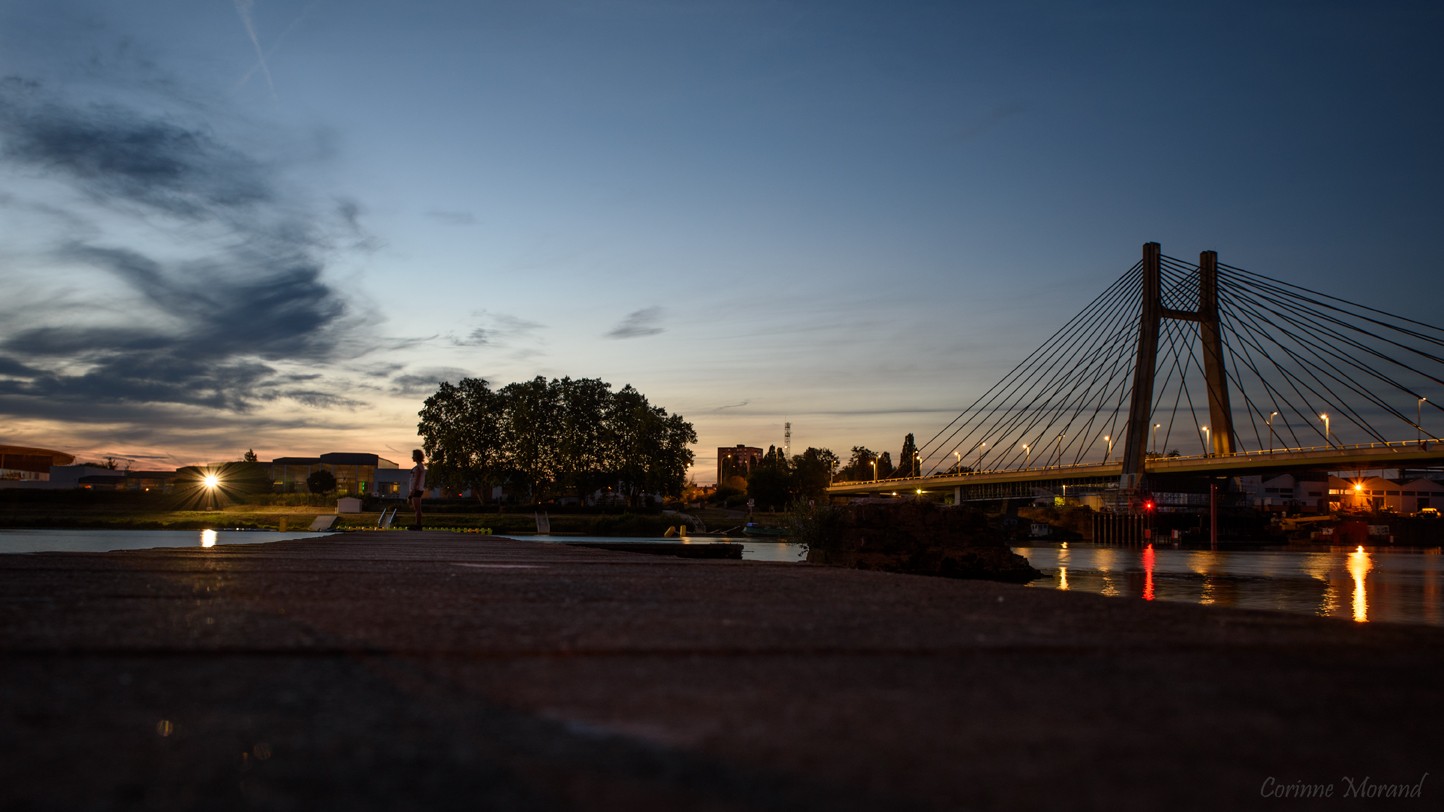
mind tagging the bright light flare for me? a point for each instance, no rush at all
(211, 481)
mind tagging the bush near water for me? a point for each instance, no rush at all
(915, 537)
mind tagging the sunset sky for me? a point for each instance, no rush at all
(233, 224)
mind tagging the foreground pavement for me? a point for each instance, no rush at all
(380, 671)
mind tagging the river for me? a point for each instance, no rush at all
(1394, 587)
(1358, 585)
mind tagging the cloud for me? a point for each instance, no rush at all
(117, 155)
(638, 323)
(499, 330)
(193, 280)
(453, 218)
(426, 382)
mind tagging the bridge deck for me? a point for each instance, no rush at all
(1323, 458)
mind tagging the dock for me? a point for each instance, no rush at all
(423, 670)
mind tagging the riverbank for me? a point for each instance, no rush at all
(367, 671)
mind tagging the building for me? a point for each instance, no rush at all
(26, 464)
(738, 460)
(355, 473)
(1378, 494)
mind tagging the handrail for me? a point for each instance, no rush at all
(1338, 447)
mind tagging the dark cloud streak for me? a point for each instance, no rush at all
(206, 322)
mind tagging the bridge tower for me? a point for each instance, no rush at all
(1140, 409)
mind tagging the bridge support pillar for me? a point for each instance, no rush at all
(1140, 409)
(1214, 372)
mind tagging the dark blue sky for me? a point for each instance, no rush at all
(277, 225)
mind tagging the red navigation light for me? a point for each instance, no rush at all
(1147, 505)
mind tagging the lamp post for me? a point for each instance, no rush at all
(1156, 427)
(1207, 447)
(1419, 420)
(917, 464)
(959, 468)
(1027, 454)
(1325, 418)
(1108, 438)
(1060, 449)
(1270, 423)
(874, 469)
(982, 449)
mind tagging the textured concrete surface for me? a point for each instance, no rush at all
(430, 671)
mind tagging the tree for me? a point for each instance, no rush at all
(249, 456)
(540, 435)
(529, 434)
(908, 459)
(859, 465)
(812, 471)
(321, 481)
(769, 481)
(884, 466)
(461, 434)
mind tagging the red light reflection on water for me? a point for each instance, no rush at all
(1148, 563)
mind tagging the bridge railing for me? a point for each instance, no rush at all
(1262, 452)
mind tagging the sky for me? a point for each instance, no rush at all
(252, 224)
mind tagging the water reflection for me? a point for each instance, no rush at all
(208, 538)
(1149, 560)
(1359, 566)
(1384, 586)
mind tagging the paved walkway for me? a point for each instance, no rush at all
(433, 671)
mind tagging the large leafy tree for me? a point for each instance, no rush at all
(812, 472)
(539, 435)
(461, 434)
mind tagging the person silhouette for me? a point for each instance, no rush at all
(418, 485)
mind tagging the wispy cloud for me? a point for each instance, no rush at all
(213, 307)
(639, 323)
(499, 330)
(453, 218)
(244, 8)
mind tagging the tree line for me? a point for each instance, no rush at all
(545, 437)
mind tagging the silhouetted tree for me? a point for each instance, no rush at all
(812, 472)
(768, 482)
(321, 481)
(908, 461)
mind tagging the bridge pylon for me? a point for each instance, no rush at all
(1152, 314)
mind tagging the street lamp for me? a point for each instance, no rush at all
(874, 469)
(917, 464)
(1419, 420)
(1270, 423)
(1060, 449)
(1325, 418)
(982, 449)
(1027, 454)
(1107, 438)
(1207, 447)
(959, 468)
(1156, 427)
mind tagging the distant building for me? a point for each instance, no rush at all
(355, 473)
(26, 464)
(738, 460)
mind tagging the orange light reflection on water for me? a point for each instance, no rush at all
(1359, 566)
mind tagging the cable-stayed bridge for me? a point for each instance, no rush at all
(1181, 369)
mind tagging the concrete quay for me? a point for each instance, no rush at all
(395, 670)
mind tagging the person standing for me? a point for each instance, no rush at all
(418, 485)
